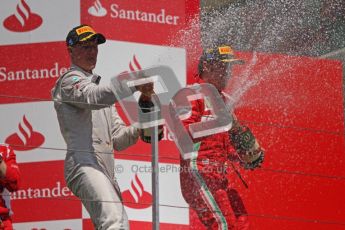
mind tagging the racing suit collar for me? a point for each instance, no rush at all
(75, 67)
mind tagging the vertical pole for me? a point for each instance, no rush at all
(155, 177)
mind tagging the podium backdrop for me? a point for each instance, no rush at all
(294, 106)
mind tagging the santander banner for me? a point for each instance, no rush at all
(117, 57)
(46, 192)
(34, 42)
(27, 21)
(32, 130)
(23, 19)
(150, 22)
(134, 178)
(31, 70)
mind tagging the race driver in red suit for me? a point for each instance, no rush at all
(9, 182)
(204, 178)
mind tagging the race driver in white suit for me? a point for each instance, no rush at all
(92, 129)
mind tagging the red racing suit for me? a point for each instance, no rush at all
(217, 204)
(8, 183)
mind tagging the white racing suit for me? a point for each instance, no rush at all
(92, 128)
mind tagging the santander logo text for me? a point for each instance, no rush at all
(136, 197)
(131, 13)
(23, 19)
(26, 138)
(97, 9)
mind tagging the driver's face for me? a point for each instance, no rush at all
(217, 74)
(84, 55)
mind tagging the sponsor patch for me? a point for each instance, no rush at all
(75, 79)
(85, 29)
(225, 50)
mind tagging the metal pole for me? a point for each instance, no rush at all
(155, 176)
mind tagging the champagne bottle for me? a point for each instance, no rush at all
(247, 147)
(146, 105)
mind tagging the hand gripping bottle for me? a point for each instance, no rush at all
(146, 105)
